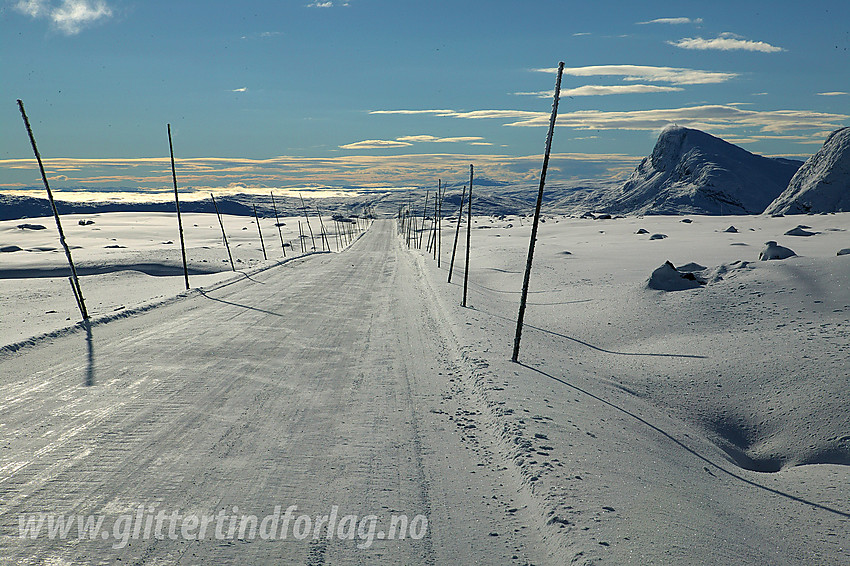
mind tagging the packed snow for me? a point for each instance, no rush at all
(669, 415)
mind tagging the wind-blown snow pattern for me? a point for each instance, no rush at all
(692, 172)
(822, 184)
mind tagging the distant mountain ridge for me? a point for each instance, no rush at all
(822, 184)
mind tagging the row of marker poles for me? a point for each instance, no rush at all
(74, 278)
(407, 223)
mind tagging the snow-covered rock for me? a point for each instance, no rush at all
(822, 184)
(668, 278)
(692, 172)
(800, 231)
(773, 250)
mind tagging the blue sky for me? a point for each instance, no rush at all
(278, 94)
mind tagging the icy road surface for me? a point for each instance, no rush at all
(318, 383)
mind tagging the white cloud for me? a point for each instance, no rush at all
(411, 112)
(320, 5)
(704, 117)
(262, 35)
(68, 16)
(725, 42)
(672, 75)
(602, 90)
(833, 93)
(434, 139)
(581, 33)
(32, 8)
(375, 144)
(674, 21)
(361, 169)
(405, 141)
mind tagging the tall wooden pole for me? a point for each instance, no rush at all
(301, 236)
(424, 213)
(434, 224)
(277, 223)
(312, 239)
(259, 230)
(75, 281)
(468, 234)
(440, 228)
(527, 276)
(322, 226)
(457, 233)
(223, 235)
(177, 204)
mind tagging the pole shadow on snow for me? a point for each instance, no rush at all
(249, 278)
(89, 354)
(205, 295)
(597, 348)
(688, 448)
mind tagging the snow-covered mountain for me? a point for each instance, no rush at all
(822, 184)
(692, 172)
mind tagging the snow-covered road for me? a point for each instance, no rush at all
(319, 383)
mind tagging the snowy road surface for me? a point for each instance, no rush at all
(319, 383)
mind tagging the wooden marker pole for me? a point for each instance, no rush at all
(324, 236)
(277, 223)
(301, 236)
(434, 224)
(257, 218)
(457, 233)
(75, 281)
(527, 276)
(440, 229)
(468, 235)
(424, 212)
(223, 235)
(177, 204)
(312, 239)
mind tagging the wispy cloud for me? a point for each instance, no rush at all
(603, 90)
(672, 75)
(412, 112)
(725, 42)
(833, 93)
(326, 4)
(375, 144)
(263, 35)
(67, 16)
(705, 117)
(406, 141)
(433, 139)
(203, 174)
(673, 21)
